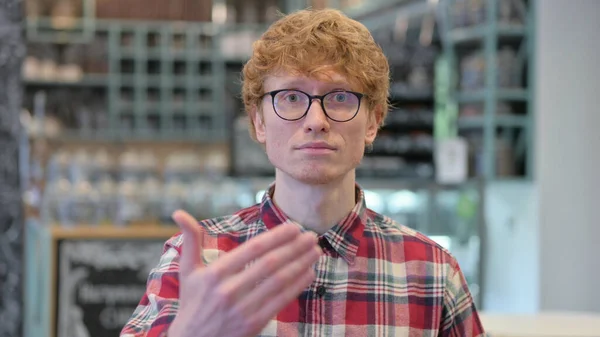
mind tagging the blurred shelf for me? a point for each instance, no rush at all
(501, 95)
(128, 80)
(478, 32)
(199, 109)
(375, 14)
(149, 231)
(409, 126)
(498, 37)
(364, 8)
(472, 122)
(165, 80)
(237, 59)
(401, 92)
(156, 54)
(177, 27)
(407, 154)
(195, 135)
(381, 183)
(86, 81)
(157, 81)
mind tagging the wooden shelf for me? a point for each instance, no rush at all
(89, 80)
(152, 231)
(472, 122)
(478, 32)
(502, 94)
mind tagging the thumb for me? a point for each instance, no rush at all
(191, 250)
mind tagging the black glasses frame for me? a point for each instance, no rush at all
(311, 99)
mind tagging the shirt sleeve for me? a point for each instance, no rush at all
(160, 303)
(459, 316)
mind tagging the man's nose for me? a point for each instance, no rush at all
(316, 119)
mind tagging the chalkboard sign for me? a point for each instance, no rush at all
(100, 283)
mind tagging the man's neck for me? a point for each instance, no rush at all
(316, 207)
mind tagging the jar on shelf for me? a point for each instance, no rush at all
(174, 198)
(107, 200)
(58, 166)
(80, 166)
(83, 204)
(151, 200)
(200, 199)
(129, 209)
(55, 204)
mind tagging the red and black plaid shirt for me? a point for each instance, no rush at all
(376, 278)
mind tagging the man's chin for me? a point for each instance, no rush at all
(315, 180)
(317, 176)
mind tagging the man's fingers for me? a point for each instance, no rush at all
(281, 281)
(235, 261)
(281, 299)
(191, 250)
(271, 263)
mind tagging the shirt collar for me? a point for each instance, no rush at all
(344, 237)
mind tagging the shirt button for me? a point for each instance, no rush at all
(321, 290)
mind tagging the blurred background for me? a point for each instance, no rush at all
(115, 113)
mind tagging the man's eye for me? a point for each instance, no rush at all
(292, 98)
(340, 98)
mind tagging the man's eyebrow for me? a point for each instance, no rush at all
(296, 83)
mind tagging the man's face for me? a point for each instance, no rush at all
(313, 149)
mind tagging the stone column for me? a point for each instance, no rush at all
(12, 51)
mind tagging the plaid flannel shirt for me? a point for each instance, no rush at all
(376, 278)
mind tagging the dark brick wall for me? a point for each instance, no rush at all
(12, 51)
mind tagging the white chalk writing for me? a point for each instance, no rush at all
(115, 318)
(107, 255)
(110, 294)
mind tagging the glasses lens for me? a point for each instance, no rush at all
(291, 104)
(341, 105)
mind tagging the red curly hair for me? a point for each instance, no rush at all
(312, 42)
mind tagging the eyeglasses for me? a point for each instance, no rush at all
(338, 105)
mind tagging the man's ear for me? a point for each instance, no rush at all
(259, 125)
(374, 121)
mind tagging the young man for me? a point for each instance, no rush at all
(311, 259)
